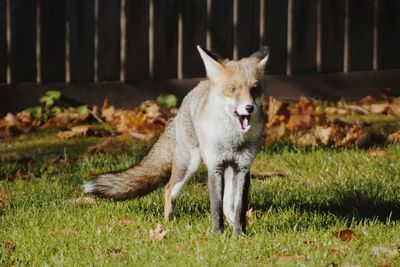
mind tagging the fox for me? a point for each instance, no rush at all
(220, 122)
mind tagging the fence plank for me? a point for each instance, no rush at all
(304, 33)
(109, 40)
(194, 20)
(248, 27)
(221, 27)
(275, 35)
(389, 34)
(137, 39)
(23, 41)
(361, 23)
(52, 40)
(3, 42)
(332, 35)
(165, 64)
(80, 15)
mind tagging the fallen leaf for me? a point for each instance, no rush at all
(393, 137)
(83, 130)
(253, 214)
(379, 108)
(368, 100)
(346, 235)
(68, 231)
(323, 134)
(108, 146)
(265, 175)
(357, 109)
(290, 257)
(125, 221)
(395, 108)
(5, 204)
(349, 264)
(23, 175)
(384, 251)
(179, 247)
(158, 233)
(298, 122)
(81, 201)
(377, 152)
(112, 251)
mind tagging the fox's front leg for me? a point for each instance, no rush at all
(215, 186)
(241, 202)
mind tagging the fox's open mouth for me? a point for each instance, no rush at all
(244, 122)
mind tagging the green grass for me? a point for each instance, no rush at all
(324, 191)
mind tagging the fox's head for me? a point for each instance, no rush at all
(237, 84)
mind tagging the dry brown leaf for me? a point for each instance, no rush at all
(125, 221)
(108, 146)
(179, 247)
(265, 175)
(368, 100)
(290, 257)
(379, 108)
(112, 251)
(68, 231)
(5, 204)
(83, 130)
(277, 112)
(253, 214)
(395, 108)
(346, 235)
(158, 233)
(306, 140)
(384, 251)
(22, 175)
(298, 122)
(276, 131)
(393, 137)
(323, 134)
(81, 201)
(377, 152)
(357, 109)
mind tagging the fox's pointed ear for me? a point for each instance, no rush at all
(211, 62)
(262, 55)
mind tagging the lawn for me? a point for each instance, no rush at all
(332, 207)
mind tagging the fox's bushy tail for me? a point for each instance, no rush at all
(153, 171)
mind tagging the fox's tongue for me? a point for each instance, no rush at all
(244, 123)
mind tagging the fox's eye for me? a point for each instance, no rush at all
(232, 89)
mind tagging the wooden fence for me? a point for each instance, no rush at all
(91, 48)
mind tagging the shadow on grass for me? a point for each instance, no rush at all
(353, 206)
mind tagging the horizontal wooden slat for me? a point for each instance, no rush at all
(334, 86)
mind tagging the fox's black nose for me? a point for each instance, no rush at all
(249, 108)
